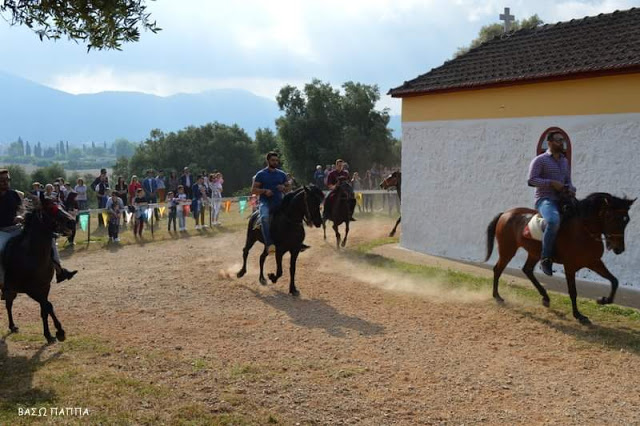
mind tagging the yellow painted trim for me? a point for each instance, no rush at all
(587, 96)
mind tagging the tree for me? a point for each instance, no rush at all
(37, 151)
(16, 149)
(124, 148)
(265, 141)
(212, 146)
(491, 31)
(104, 24)
(66, 149)
(19, 178)
(27, 150)
(49, 152)
(121, 168)
(321, 125)
(61, 148)
(48, 174)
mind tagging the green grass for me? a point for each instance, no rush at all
(614, 326)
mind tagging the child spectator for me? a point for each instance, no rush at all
(134, 185)
(181, 201)
(81, 198)
(140, 203)
(171, 205)
(114, 207)
(216, 197)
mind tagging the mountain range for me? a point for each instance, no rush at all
(36, 112)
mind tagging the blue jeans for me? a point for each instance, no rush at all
(551, 214)
(264, 221)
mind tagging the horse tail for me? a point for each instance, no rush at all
(491, 235)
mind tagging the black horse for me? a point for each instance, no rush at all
(287, 231)
(28, 261)
(394, 179)
(338, 208)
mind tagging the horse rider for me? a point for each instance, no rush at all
(340, 177)
(11, 218)
(269, 183)
(550, 174)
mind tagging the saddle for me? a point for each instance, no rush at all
(534, 230)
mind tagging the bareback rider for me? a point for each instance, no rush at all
(269, 183)
(11, 211)
(337, 178)
(550, 174)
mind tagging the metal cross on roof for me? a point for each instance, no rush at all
(507, 18)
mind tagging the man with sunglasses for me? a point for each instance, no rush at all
(550, 174)
(11, 210)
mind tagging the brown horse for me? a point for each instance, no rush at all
(578, 245)
(338, 208)
(394, 179)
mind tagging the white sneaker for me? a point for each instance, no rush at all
(117, 240)
(197, 227)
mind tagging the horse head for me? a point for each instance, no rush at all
(52, 216)
(613, 215)
(393, 180)
(313, 198)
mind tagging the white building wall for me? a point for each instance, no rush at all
(457, 175)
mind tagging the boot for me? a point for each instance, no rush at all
(546, 266)
(64, 274)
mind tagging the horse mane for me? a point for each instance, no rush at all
(592, 204)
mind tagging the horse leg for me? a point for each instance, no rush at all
(251, 240)
(44, 313)
(346, 234)
(393, 231)
(528, 271)
(599, 268)
(60, 334)
(263, 256)
(504, 257)
(9, 304)
(274, 277)
(573, 293)
(335, 229)
(324, 228)
(292, 273)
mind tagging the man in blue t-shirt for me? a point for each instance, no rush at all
(269, 184)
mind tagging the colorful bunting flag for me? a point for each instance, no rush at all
(84, 221)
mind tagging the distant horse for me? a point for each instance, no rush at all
(338, 208)
(394, 179)
(287, 231)
(578, 245)
(28, 261)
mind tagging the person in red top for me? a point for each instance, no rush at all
(337, 177)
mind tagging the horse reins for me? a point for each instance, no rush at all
(307, 218)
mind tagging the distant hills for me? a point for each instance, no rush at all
(40, 113)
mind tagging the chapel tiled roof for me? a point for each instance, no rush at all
(606, 43)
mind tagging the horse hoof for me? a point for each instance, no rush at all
(273, 278)
(392, 234)
(584, 320)
(603, 301)
(546, 303)
(241, 273)
(51, 340)
(14, 329)
(294, 293)
(60, 336)
(263, 281)
(499, 299)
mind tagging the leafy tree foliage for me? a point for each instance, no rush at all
(322, 124)
(19, 178)
(48, 174)
(212, 146)
(102, 24)
(491, 31)
(266, 141)
(124, 148)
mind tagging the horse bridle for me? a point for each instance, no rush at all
(307, 217)
(598, 236)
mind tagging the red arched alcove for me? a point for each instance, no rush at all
(542, 143)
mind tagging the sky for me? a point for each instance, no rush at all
(261, 46)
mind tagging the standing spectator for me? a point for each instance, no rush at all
(101, 185)
(134, 185)
(318, 177)
(150, 186)
(114, 207)
(71, 206)
(356, 183)
(48, 192)
(36, 189)
(63, 188)
(196, 201)
(173, 182)
(216, 197)
(161, 185)
(57, 192)
(181, 200)
(141, 205)
(122, 189)
(186, 180)
(171, 206)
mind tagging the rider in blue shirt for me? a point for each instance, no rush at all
(269, 184)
